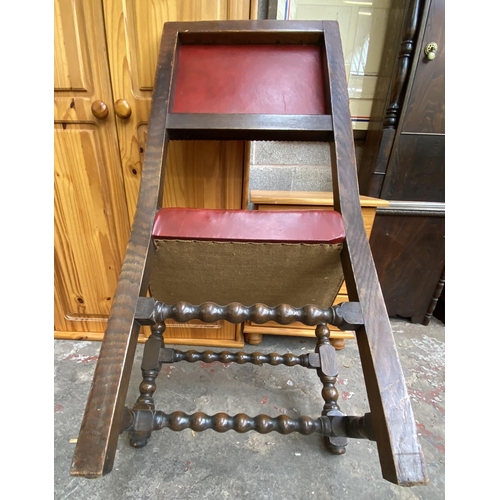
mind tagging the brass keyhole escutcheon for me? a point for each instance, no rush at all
(430, 50)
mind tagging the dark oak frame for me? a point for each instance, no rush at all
(393, 421)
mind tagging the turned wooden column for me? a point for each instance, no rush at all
(150, 367)
(327, 373)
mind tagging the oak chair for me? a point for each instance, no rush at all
(251, 80)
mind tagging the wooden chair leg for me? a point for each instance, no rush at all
(103, 419)
(150, 367)
(400, 454)
(328, 373)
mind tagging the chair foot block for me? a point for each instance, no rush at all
(138, 439)
(336, 445)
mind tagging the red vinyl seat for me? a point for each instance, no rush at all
(290, 226)
(247, 256)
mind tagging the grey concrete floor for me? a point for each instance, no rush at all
(208, 465)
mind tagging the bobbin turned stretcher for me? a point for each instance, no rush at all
(251, 80)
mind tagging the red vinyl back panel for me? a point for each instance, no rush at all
(262, 79)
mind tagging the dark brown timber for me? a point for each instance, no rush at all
(393, 422)
(151, 420)
(249, 127)
(254, 32)
(327, 373)
(395, 430)
(345, 316)
(96, 446)
(169, 355)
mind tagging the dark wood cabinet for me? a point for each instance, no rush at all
(408, 249)
(404, 160)
(416, 169)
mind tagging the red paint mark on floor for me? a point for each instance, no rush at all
(280, 410)
(207, 365)
(58, 408)
(434, 439)
(210, 365)
(168, 370)
(264, 400)
(346, 395)
(341, 381)
(79, 358)
(431, 397)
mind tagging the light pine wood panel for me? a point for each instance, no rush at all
(81, 74)
(91, 225)
(294, 332)
(90, 230)
(309, 198)
(204, 174)
(236, 340)
(70, 48)
(242, 9)
(133, 31)
(200, 174)
(148, 19)
(220, 331)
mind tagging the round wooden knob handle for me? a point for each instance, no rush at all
(122, 108)
(99, 110)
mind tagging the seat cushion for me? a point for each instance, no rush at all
(223, 256)
(290, 226)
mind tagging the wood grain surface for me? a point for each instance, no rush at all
(96, 447)
(90, 224)
(396, 434)
(92, 37)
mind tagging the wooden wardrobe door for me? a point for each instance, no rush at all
(416, 168)
(209, 174)
(425, 110)
(133, 30)
(91, 226)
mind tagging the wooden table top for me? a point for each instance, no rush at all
(314, 198)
